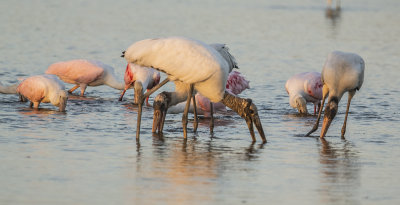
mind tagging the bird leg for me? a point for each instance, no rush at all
(195, 121)
(186, 111)
(247, 110)
(73, 89)
(83, 88)
(211, 117)
(141, 101)
(351, 94)
(36, 105)
(325, 92)
(147, 99)
(122, 95)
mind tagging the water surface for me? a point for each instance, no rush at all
(89, 154)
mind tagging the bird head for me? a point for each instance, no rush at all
(330, 113)
(247, 110)
(129, 79)
(62, 102)
(301, 104)
(160, 106)
(252, 113)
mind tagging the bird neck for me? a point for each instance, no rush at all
(235, 103)
(58, 97)
(12, 89)
(112, 81)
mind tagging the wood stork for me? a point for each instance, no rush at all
(342, 72)
(191, 64)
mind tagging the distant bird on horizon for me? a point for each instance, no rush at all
(44, 89)
(85, 73)
(140, 78)
(303, 88)
(329, 4)
(342, 72)
(191, 64)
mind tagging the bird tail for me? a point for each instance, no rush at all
(224, 51)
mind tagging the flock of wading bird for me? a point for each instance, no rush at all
(194, 67)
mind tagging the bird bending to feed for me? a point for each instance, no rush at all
(342, 72)
(235, 84)
(191, 64)
(140, 78)
(44, 89)
(303, 88)
(85, 73)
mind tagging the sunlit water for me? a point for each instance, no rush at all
(89, 154)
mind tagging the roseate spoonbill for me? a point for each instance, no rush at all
(44, 89)
(140, 77)
(191, 64)
(342, 72)
(85, 73)
(303, 88)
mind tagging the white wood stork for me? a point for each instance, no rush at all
(342, 72)
(191, 64)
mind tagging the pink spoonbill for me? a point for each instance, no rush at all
(342, 72)
(303, 88)
(191, 64)
(85, 73)
(44, 89)
(140, 78)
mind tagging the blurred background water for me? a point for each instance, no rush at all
(89, 155)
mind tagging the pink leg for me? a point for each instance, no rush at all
(74, 88)
(83, 88)
(147, 99)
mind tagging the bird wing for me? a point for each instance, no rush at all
(224, 51)
(236, 83)
(182, 59)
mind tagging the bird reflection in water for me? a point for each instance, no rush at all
(339, 171)
(188, 170)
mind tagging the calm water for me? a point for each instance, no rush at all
(89, 155)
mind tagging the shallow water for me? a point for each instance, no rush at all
(89, 154)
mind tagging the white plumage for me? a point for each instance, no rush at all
(185, 60)
(191, 64)
(342, 72)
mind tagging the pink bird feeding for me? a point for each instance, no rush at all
(303, 88)
(85, 73)
(44, 89)
(140, 78)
